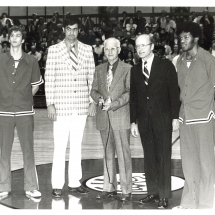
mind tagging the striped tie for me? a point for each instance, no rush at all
(109, 77)
(146, 73)
(73, 57)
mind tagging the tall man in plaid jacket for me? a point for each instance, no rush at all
(69, 75)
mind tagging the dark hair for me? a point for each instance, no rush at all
(71, 20)
(189, 27)
(4, 29)
(15, 28)
(124, 12)
(4, 14)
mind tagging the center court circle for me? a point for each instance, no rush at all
(138, 183)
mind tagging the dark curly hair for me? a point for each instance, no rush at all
(189, 27)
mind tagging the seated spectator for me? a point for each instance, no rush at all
(3, 18)
(43, 44)
(129, 58)
(48, 32)
(161, 21)
(35, 20)
(30, 29)
(167, 48)
(34, 53)
(163, 34)
(55, 20)
(124, 20)
(98, 47)
(208, 26)
(154, 29)
(4, 35)
(169, 23)
(8, 24)
(174, 53)
(171, 37)
(5, 47)
(59, 32)
(90, 40)
(41, 27)
(82, 36)
(212, 49)
(150, 23)
(107, 26)
(130, 24)
(124, 51)
(140, 21)
(157, 40)
(194, 17)
(88, 24)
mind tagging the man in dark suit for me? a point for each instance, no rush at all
(154, 110)
(111, 87)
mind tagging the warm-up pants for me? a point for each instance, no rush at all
(25, 127)
(197, 153)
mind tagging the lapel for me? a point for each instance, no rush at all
(154, 69)
(81, 54)
(140, 76)
(118, 74)
(64, 55)
(103, 79)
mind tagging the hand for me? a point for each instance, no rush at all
(175, 124)
(107, 105)
(101, 102)
(92, 109)
(52, 113)
(134, 130)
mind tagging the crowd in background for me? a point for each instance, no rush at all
(39, 35)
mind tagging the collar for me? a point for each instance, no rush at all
(149, 61)
(24, 57)
(114, 65)
(68, 44)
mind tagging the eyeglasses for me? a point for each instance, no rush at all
(142, 46)
(72, 29)
(113, 49)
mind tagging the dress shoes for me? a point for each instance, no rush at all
(57, 193)
(126, 197)
(80, 189)
(107, 195)
(149, 199)
(163, 203)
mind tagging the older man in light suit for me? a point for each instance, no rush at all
(110, 89)
(69, 75)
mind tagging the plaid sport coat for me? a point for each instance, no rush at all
(67, 89)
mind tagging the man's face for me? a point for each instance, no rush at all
(111, 50)
(187, 41)
(16, 39)
(139, 14)
(144, 47)
(151, 20)
(97, 41)
(71, 32)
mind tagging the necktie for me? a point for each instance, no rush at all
(109, 76)
(146, 73)
(73, 57)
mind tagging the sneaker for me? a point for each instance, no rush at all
(33, 193)
(3, 193)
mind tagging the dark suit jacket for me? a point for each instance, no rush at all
(160, 101)
(119, 93)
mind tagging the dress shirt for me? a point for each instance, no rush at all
(149, 63)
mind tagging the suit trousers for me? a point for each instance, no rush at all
(157, 150)
(65, 128)
(198, 164)
(25, 128)
(117, 141)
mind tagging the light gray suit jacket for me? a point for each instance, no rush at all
(119, 93)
